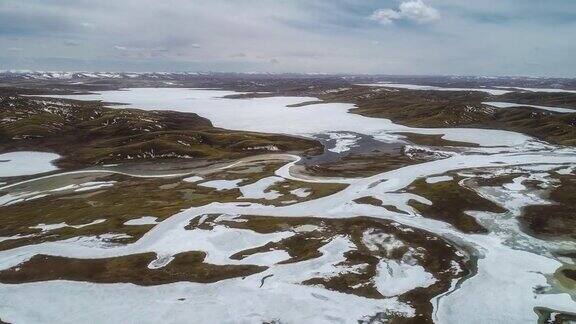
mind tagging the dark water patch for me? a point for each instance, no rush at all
(433, 140)
(367, 157)
(363, 144)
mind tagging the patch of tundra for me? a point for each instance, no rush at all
(24, 163)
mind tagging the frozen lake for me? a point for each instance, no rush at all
(273, 115)
(23, 163)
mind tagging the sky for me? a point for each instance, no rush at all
(432, 37)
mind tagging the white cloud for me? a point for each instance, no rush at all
(385, 16)
(414, 11)
(474, 36)
(88, 25)
(418, 11)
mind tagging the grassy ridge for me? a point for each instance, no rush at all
(86, 133)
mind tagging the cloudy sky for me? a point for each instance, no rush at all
(465, 37)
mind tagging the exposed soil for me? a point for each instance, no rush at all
(129, 198)
(450, 201)
(557, 220)
(86, 133)
(187, 266)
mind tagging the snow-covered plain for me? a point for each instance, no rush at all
(552, 90)
(504, 289)
(515, 105)
(499, 90)
(495, 92)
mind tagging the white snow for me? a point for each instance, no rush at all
(222, 184)
(24, 196)
(257, 190)
(18, 197)
(344, 141)
(495, 92)
(540, 89)
(503, 289)
(193, 179)
(376, 241)
(301, 192)
(518, 105)
(15, 237)
(516, 184)
(267, 258)
(144, 220)
(437, 179)
(565, 171)
(306, 228)
(86, 186)
(49, 227)
(394, 278)
(26, 163)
